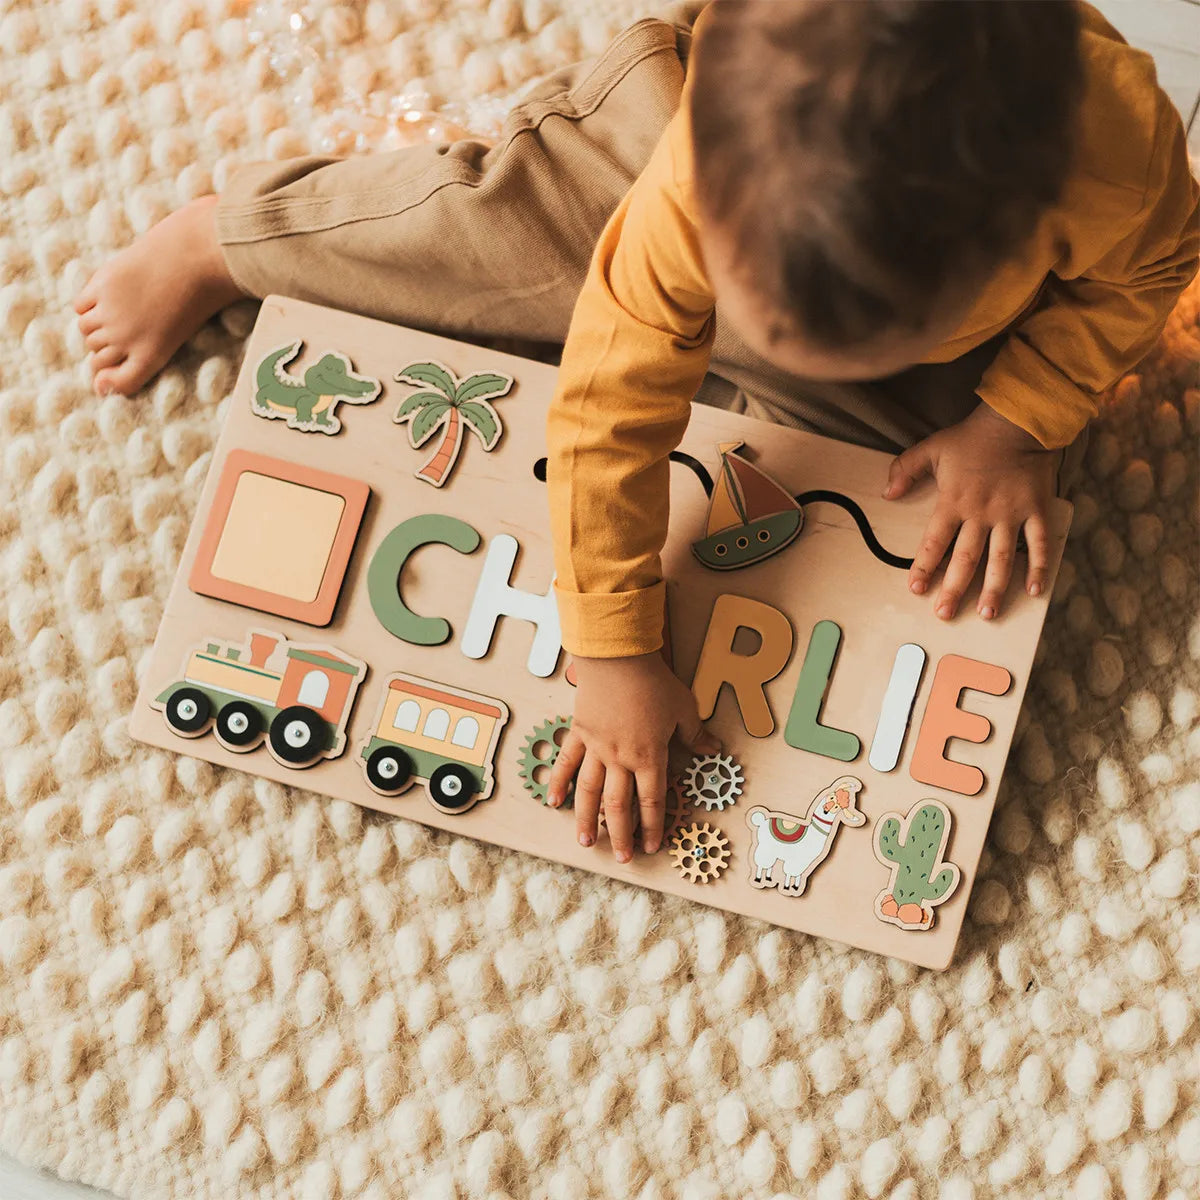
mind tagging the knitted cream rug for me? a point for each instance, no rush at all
(213, 986)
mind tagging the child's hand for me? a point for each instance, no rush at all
(992, 479)
(626, 711)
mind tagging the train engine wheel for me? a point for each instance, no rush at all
(297, 736)
(389, 770)
(188, 712)
(452, 788)
(239, 725)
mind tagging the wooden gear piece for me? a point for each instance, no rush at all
(535, 768)
(451, 405)
(297, 698)
(913, 847)
(278, 537)
(309, 404)
(700, 852)
(713, 780)
(801, 844)
(442, 736)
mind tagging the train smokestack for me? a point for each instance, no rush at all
(262, 646)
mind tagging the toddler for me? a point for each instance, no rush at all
(934, 227)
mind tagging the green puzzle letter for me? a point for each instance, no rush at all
(804, 729)
(383, 574)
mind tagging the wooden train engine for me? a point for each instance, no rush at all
(296, 698)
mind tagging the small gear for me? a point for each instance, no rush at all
(700, 851)
(547, 734)
(677, 806)
(714, 780)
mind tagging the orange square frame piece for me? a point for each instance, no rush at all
(279, 537)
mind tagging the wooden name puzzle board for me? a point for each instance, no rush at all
(364, 608)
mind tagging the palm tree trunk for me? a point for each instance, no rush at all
(436, 469)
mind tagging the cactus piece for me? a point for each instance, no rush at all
(913, 846)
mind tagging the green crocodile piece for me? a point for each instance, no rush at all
(309, 405)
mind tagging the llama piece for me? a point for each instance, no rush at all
(800, 844)
(921, 879)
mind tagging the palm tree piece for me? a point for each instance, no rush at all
(449, 404)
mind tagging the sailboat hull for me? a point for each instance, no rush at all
(744, 545)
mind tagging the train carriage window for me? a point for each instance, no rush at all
(466, 733)
(437, 724)
(408, 714)
(314, 689)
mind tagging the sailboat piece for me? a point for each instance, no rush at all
(750, 516)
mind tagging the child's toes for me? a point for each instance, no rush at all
(109, 379)
(89, 321)
(105, 357)
(97, 339)
(125, 379)
(87, 298)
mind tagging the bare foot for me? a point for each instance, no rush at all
(138, 309)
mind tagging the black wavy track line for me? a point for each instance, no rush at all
(821, 496)
(817, 496)
(698, 468)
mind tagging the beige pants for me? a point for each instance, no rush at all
(478, 241)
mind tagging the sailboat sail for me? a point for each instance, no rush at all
(750, 516)
(724, 509)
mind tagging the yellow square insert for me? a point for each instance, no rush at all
(278, 536)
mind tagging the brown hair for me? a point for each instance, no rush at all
(862, 155)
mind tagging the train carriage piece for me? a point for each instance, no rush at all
(296, 698)
(442, 736)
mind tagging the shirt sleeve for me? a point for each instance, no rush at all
(1087, 331)
(637, 349)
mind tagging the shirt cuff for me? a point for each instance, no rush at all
(612, 624)
(1031, 392)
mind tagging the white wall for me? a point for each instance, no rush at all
(1170, 30)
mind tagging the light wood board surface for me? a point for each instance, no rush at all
(826, 574)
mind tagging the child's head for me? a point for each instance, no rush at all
(863, 167)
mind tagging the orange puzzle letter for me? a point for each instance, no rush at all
(746, 673)
(944, 720)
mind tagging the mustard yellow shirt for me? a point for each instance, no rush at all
(1112, 257)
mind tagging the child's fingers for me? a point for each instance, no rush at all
(906, 469)
(1002, 546)
(652, 802)
(968, 550)
(589, 787)
(939, 533)
(693, 733)
(1039, 555)
(570, 756)
(618, 814)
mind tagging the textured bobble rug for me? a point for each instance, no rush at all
(212, 986)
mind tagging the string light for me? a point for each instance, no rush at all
(342, 119)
